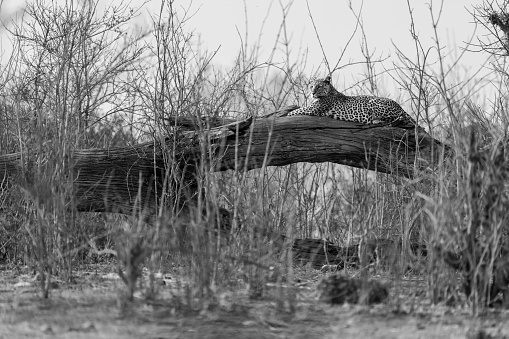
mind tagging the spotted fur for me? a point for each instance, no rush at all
(328, 102)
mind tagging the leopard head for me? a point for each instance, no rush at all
(322, 87)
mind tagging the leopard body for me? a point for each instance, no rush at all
(328, 102)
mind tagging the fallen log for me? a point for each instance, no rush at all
(117, 179)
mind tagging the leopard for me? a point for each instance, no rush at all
(364, 109)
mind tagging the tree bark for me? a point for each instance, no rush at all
(112, 179)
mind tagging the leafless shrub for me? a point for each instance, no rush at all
(67, 64)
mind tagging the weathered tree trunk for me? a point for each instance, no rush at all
(111, 179)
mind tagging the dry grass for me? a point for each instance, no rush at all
(91, 87)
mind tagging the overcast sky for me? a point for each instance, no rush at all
(223, 25)
(219, 23)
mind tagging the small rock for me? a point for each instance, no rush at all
(45, 328)
(87, 326)
(339, 289)
(249, 323)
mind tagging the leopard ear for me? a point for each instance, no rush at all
(327, 78)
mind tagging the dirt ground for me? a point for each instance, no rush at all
(90, 308)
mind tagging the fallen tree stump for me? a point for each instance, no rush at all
(318, 252)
